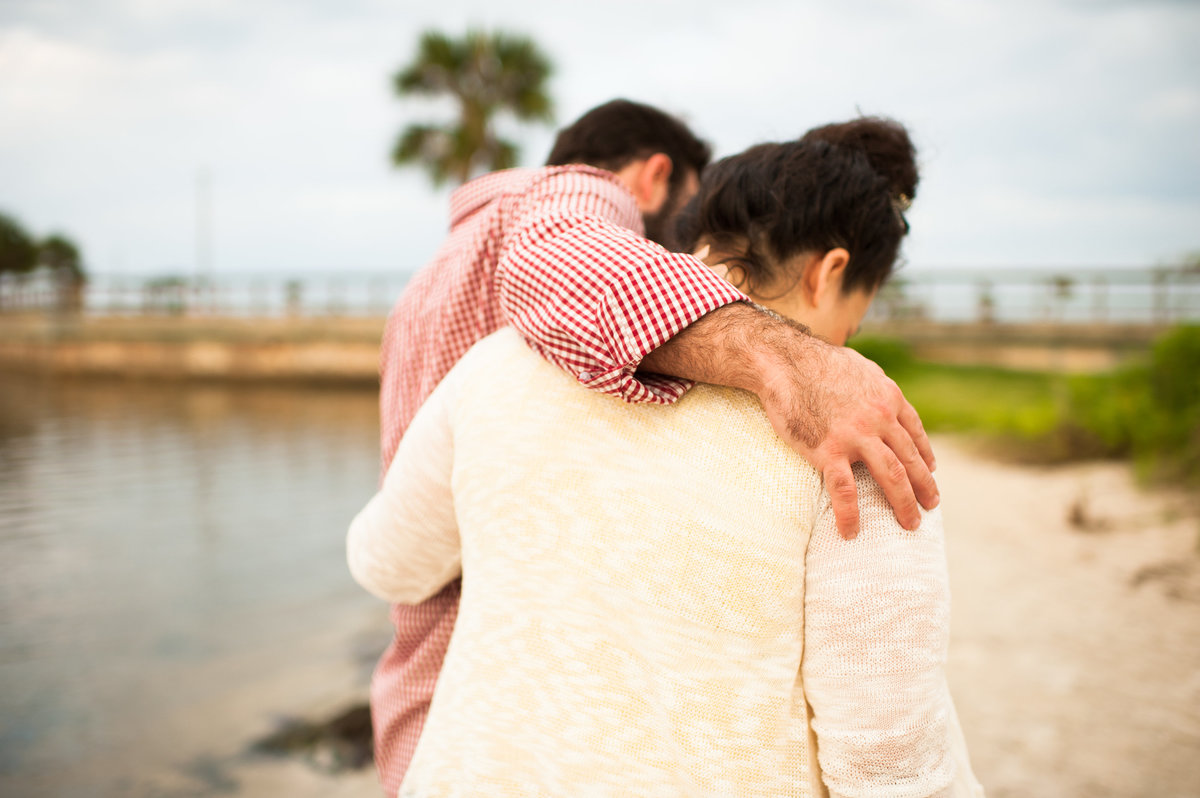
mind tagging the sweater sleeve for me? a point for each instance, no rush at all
(594, 297)
(404, 545)
(877, 618)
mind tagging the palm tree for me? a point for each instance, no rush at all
(486, 73)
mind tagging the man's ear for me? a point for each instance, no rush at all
(653, 182)
(824, 273)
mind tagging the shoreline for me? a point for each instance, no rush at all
(331, 350)
(345, 349)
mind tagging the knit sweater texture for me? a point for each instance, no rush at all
(656, 601)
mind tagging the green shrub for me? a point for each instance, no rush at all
(1175, 370)
(1172, 435)
(1149, 412)
(1107, 406)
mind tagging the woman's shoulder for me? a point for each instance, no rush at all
(739, 414)
(503, 350)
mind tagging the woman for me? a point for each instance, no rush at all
(655, 599)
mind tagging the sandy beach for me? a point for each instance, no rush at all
(1075, 659)
(1075, 655)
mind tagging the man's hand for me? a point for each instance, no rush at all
(835, 408)
(829, 403)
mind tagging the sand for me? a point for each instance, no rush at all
(1075, 659)
(1075, 654)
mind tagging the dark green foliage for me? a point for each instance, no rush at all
(1152, 411)
(487, 74)
(18, 252)
(1175, 371)
(21, 253)
(59, 254)
(1107, 406)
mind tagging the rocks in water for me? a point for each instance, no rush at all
(342, 742)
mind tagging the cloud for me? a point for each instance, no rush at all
(1044, 127)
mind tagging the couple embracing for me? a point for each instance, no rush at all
(649, 528)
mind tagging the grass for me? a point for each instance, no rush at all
(972, 399)
(1149, 413)
(977, 399)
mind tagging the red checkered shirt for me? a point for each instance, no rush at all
(557, 253)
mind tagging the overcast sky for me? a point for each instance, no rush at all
(1051, 132)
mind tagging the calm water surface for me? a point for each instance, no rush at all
(173, 574)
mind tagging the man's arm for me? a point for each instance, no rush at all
(594, 297)
(829, 403)
(589, 294)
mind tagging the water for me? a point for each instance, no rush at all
(173, 574)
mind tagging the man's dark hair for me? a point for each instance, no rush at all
(838, 186)
(613, 135)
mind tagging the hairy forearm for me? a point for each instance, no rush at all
(829, 403)
(593, 297)
(727, 346)
(746, 346)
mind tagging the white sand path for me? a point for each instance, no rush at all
(1075, 655)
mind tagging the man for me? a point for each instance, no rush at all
(558, 253)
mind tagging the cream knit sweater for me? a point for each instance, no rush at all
(656, 601)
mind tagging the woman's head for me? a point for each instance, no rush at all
(810, 228)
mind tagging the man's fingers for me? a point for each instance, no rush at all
(919, 476)
(892, 476)
(916, 431)
(843, 493)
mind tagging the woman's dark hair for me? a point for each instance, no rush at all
(613, 135)
(844, 185)
(884, 142)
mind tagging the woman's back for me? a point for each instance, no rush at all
(633, 603)
(633, 608)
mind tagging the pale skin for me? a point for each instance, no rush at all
(829, 403)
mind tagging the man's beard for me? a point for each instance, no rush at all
(660, 226)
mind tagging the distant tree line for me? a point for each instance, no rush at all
(22, 254)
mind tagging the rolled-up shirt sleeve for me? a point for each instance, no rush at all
(594, 297)
(877, 620)
(404, 545)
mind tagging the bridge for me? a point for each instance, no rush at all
(1040, 319)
